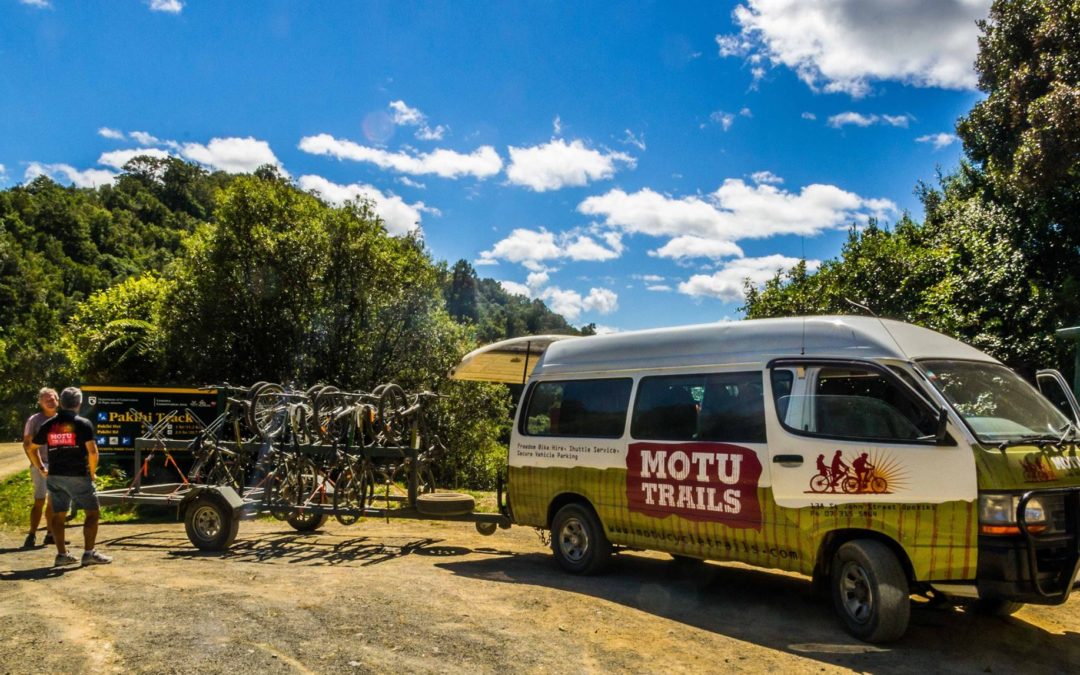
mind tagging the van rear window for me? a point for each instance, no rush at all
(707, 407)
(581, 408)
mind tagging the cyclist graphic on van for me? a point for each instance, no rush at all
(860, 478)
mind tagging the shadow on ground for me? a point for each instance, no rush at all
(780, 612)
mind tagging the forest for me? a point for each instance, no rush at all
(175, 275)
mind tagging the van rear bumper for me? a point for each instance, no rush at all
(1037, 568)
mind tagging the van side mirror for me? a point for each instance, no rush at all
(942, 425)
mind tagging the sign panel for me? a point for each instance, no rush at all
(118, 413)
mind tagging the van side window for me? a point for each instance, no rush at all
(708, 407)
(853, 402)
(581, 408)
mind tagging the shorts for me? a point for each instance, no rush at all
(39, 483)
(63, 490)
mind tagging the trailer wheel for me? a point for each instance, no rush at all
(578, 540)
(486, 529)
(870, 591)
(306, 521)
(210, 523)
(445, 504)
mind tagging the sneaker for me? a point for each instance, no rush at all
(95, 558)
(30, 542)
(63, 559)
(48, 541)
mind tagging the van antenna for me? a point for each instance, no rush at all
(883, 326)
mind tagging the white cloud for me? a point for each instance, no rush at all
(808, 116)
(767, 177)
(735, 211)
(514, 288)
(3, 173)
(632, 139)
(860, 120)
(405, 180)
(571, 304)
(605, 330)
(144, 138)
(939, 140)
(659, 288)
(689, 246)
(531, 247)
(481, 163)
(745, 112)
(537, 279)
(845, 45)
(398, 216)
(83, 179)
(724, 119)
(652, 278)
(558, 164)
(40, 4)
(556, 126)
(168, 6)
(727, 283)
(231, 155)
(118, 158)
(404, 116)
(113, 134)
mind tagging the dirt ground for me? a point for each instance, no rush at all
(12, 459)
(415, 596)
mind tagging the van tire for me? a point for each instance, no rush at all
(996, 607)
(870, 591)
(578, 540)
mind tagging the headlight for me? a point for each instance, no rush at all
(997, 514)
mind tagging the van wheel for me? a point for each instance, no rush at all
(996, 607)
(870, 591)
(578, 540)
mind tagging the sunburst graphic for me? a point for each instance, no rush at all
(881, 473)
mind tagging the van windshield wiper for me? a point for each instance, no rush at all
(1033, 439)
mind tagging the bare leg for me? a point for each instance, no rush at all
(58, 518)
(49, 516)
(90, 529)
(35, 516)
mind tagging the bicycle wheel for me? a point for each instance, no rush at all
(267, 414)
(299, 423)
(850, 485)
(392, 403)
(819, 483)
(325, 407)
(879, 485)
(349, 495)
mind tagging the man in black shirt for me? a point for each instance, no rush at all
(72, 468)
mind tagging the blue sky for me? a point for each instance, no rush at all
(629, 163)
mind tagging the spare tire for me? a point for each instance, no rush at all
(445, 504)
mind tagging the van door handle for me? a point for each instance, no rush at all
(788, 459)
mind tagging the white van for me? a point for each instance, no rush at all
(880, 458)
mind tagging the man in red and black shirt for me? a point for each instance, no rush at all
(72, 468)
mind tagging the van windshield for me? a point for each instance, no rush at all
(996, 403)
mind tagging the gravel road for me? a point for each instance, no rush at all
(415, 596)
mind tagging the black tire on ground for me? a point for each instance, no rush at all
(870, 591)
(486, 529)
(996, 606)
(578, 540)
(445, 504)
(211, 524)
(306, 521)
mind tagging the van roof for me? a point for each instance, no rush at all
(753, 341)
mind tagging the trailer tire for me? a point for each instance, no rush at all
(486, 529)
(306, 521)
(870, 591)
(578, 540)
(445, 504)
(211, 524)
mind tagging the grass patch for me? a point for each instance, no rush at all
(17, 496)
